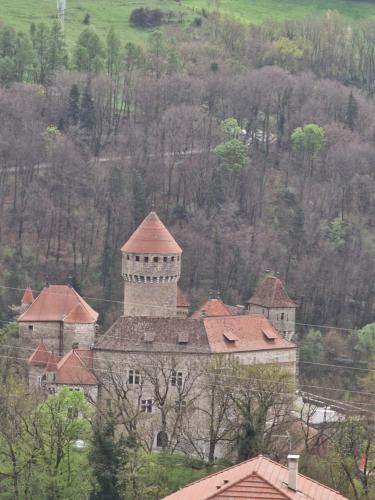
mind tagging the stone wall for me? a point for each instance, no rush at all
(83, 334)
(32, 333)
(150, 284)
(283, 319)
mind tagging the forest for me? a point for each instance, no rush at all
(255, 145)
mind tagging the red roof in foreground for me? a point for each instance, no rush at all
(253, 332)
(182, 301)
(271, 293)
(74, 368)
(152, 236)
(212, 307)
(59, 303)
(257, 479)
(28, 297)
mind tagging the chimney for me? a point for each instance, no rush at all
(293, 472)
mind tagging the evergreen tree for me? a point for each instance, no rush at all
(73, 106)
(57, 54)
(351, 112)
(87, 112)
(108, 457)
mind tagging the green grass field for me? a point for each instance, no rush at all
(106, 13)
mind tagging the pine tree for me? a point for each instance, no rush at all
(73, 107)
(351, 112)
(87, 112)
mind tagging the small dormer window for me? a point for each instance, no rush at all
(156, 259)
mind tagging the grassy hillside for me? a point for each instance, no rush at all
(104, 13)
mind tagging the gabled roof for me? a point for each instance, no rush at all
(40, 356)
(254, 332)
(151, 236)
(28, 297)
(212, 307)
(271, 293)
(59, 303)
(257, 479)
(182, 301)
(71, 369)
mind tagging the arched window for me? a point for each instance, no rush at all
(161, 439)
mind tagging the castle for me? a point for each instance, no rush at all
(155, 330)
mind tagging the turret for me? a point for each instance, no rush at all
(272, 300)
(151, 268)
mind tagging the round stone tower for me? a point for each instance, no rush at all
(151, 268)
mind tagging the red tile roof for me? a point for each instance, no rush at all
(254, 333)
(257, 479)
(28, 297)
(71, 369)
(40, 356)
(59, 303)
(271, 293)
(182, 301)
(213, 307)
(152, 236)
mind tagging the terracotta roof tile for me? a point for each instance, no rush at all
(182, 301)
(151, 236)
(257, 479)
(40, 356)
(271, 293)
(212, 307)
(249, 329)
(129, 333)
(73, 368)
(78, 315)
(56, 303)
(28, 297)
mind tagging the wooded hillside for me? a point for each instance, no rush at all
(89, 143)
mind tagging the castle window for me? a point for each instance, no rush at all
(156, 259)
(127, 257)
(154, 279)
(180, 405)
(142, 278)
(146, 405)
(176, 378)
(31, 328)
(148, 278)
(172, 258)
(282, 316)
(137, 258)
(146, 259)
(165, 259)
(136, 277)
(134, 377)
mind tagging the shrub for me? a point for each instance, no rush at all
(146, 18)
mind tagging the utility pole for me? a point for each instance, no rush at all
(61, 5)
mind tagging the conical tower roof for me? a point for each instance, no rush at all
(28, 297)
(152, 236)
